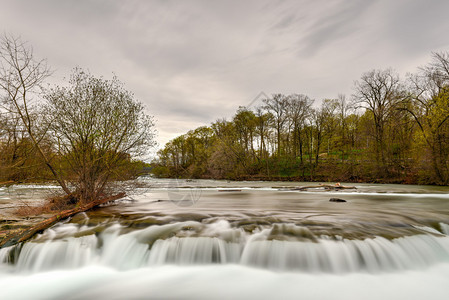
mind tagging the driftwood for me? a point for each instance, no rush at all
(327, 187)
(28, 233)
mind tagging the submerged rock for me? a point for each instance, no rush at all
(337, 200)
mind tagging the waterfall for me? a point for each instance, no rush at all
(280, 247)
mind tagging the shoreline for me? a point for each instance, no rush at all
(313, 180)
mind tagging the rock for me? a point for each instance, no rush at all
(337, 200)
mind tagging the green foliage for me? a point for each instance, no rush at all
(96, 126)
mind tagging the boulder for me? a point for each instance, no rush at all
(337, 200)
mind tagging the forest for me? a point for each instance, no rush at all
(388, 131)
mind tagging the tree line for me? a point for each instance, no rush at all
(85, 135)
(389, 130)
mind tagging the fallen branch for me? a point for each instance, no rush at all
(327, 187)
(28, 233)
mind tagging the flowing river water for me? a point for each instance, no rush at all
(210, 239)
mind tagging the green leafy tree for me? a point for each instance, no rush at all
(96, 126)
(428, 104)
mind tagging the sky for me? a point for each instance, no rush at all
(193, 62)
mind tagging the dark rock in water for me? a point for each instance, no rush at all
(337, 200)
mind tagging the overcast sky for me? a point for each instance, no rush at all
(192, 62)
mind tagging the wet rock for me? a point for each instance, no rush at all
(337, 200)
(291, 232)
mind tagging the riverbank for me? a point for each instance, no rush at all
(316, 179)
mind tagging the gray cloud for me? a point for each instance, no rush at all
(416, 26)
(337, 21)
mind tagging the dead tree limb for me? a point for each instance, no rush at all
(327, 187)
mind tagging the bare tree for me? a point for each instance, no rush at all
(299, 109)
(277, 106)
(379, 91)
(21, 79)
(343, 111)
(92, 129)
(96, 126)
(263, 120)
(323, 122)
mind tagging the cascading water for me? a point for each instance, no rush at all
(68, 246)
(273, 245)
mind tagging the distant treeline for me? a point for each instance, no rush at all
(389, 130)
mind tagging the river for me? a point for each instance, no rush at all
(206, 239)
